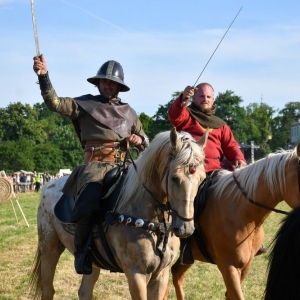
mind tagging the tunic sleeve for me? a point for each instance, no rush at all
(230, 146)
(179, 116)
(137, 128)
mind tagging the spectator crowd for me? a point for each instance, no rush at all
(29, 181)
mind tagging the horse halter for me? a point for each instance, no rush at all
(166, 171)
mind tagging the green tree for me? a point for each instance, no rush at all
(147, 122)
(48, 158)
(259, 123)
(160, 119)
(16, 155)
(67, 141)
(281, 126)
(21, 121)
(228, 109)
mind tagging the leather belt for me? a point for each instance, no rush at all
(104, 151)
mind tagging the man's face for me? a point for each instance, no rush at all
(204, 98)
(108, 88)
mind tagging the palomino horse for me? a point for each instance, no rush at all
(231, 223)
(165, 181)
(284, 261)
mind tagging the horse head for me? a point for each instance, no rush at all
(167, 176)
(185, 172)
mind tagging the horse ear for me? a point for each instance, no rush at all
(175, 141)
(203, 140)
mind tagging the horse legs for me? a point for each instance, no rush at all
(85, 291)
(50, 248)
(178, 273)
(233, 279)
(49, 259)
(137, 285)
(157, 288)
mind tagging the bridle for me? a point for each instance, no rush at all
(167, 206)
(260, 204)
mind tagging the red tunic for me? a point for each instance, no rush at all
(220, 143)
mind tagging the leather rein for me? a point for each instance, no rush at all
(260, 204)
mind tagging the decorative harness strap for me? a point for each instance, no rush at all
(166, 229)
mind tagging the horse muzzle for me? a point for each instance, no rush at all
(182, 227)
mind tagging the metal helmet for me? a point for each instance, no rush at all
(111, 70)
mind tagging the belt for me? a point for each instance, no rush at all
(104, 151)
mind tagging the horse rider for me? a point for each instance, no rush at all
(105, 125)
(200, 116)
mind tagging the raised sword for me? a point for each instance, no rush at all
(36, 38)
(184, 101)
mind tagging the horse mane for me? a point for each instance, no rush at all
(271, 167)
(147, 163)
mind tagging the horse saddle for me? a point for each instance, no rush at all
(112, 183)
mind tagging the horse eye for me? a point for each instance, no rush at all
(175, 179)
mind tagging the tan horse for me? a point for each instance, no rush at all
(170, 168)
(231, 225)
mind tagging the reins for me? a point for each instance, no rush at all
(257, 203)
(166, 206)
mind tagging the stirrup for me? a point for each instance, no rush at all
(261, 251)
(186, 255)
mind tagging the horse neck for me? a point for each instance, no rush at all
(142, 194)
(256, 185)
(269, 182)
(142, 205)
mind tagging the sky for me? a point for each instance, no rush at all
(162, 45)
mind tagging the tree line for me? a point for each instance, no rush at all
(34, 138)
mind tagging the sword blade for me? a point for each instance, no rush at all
(217, 47)
(36, 39)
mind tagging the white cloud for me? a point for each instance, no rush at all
(94, 16)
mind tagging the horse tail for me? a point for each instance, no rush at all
(35, 276)
(284, 260)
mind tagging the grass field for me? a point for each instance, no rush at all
(18, 245)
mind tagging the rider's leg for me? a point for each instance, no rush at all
(85, 213)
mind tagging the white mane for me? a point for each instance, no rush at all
(272, 168)
(147, 163)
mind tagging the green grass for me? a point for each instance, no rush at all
(18, 245)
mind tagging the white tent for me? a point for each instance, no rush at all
(64, 172)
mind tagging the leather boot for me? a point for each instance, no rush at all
(82, 241)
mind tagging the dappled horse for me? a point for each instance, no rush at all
(160, 190)
(231, 223)
(284, 261)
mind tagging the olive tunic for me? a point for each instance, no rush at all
(91, 129)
